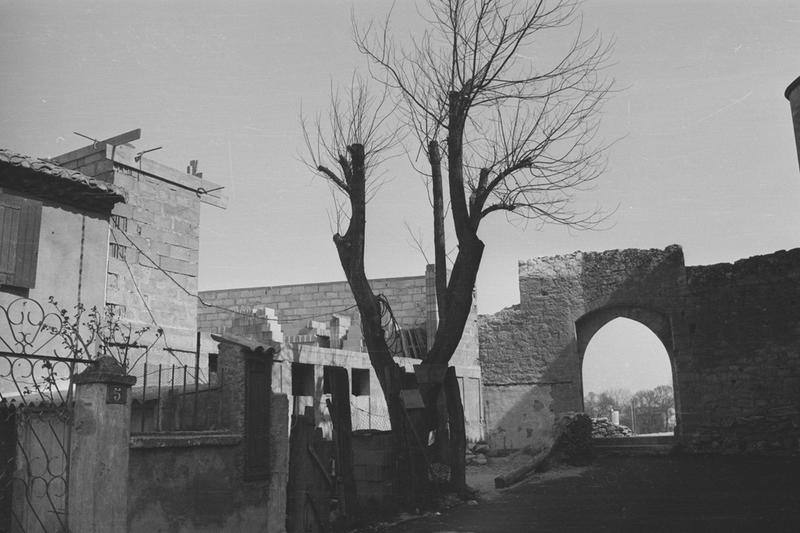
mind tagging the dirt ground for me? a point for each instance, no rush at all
(481, 478)
(680, 494)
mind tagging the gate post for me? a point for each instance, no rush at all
(98, 466)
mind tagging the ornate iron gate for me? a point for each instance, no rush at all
(40, 351)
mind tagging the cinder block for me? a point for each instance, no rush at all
(180, 267)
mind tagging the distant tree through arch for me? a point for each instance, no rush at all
(627, 368)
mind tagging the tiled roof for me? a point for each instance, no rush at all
(45, 178)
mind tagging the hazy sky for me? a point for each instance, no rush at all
(705, 156)
(625, 354)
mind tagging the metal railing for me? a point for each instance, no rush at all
(170, 398)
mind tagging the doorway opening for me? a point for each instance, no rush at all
(628, 381)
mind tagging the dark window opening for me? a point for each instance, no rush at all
(360, 381)
(120, 222)
(213, 362)
(409, 380)
(117, 251)
(327, 377)
(116, 310)
(302, 379)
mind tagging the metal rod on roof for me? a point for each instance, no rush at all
(138, 157)
(94, 141)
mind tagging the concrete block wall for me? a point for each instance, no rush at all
(373, 461)
(297, 305)
(163, 220)
(369, 411)
(732, 333)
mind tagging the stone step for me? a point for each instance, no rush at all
(646, 445)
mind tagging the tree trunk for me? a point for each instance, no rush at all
(350, 248)
(458, 437)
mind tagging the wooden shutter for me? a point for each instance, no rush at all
(20, 222)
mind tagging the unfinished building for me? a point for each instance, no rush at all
(320, 327)
(154, 242)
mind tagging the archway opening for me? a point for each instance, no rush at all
(628, 380)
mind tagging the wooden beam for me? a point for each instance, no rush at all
(124, 138)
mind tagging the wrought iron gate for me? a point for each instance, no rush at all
(39, 354)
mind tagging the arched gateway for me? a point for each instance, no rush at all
(655, 322)
(732, 332)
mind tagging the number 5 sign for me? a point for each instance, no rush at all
(116, 394)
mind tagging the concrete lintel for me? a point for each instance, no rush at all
(250, 344)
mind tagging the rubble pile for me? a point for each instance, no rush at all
(573, 439)
(603, 428)
(476, 455)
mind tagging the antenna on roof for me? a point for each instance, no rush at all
(94, 141)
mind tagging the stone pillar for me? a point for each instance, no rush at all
(793, 95)
(98, 476)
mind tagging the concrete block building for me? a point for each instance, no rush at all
(320, 327)
(151, 274)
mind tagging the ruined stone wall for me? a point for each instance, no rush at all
(728, 329)
(740, 380)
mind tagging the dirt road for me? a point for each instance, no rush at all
(676, 494)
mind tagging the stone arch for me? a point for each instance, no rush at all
(656, 321)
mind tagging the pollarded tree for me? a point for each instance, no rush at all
(503, 130)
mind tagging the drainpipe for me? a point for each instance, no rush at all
(793, 95)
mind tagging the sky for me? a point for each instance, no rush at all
(703, 152)
(625, 354)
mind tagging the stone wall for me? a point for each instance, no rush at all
(740, 380)
(732, 333)
(201, 481)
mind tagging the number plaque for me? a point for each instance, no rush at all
(117, 394)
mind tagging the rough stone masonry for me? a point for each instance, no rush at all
(732, 333)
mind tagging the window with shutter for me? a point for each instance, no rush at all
(20, 221)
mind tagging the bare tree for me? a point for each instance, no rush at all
(511, 131)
